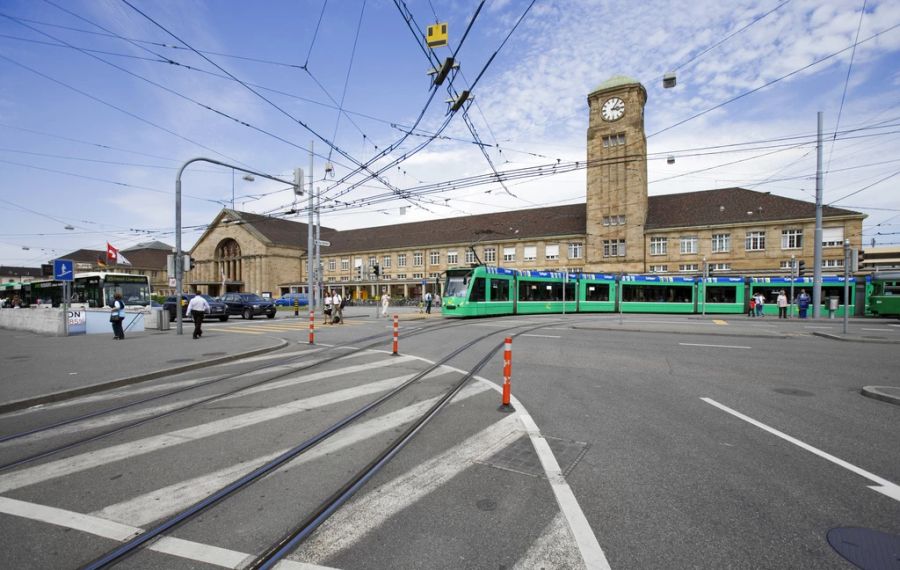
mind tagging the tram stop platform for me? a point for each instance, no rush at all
(36, 369)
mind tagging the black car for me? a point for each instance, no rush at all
(217, 309)
(249, 305)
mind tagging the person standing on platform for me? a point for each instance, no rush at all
(337, 303)
(197, 309)
(385, 303)
(782, 305)
(428, 299)
(117, 316)
(760, 304)
(803, 303)
(328, 298)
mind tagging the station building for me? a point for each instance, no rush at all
(619, 228)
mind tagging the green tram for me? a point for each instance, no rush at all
(832, 287)
(883, 294)
(657, 294)
(722, 295)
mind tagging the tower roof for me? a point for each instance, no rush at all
(616, 81)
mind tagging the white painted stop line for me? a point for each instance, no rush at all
(714, 345)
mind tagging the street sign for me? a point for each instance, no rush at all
(172, 282)
(63, 270)
(323, 243)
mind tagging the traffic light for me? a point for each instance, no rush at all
(188, 263)
(359, 274)
(376, 269)
(801, 268)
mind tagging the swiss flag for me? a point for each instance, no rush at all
(112, 254)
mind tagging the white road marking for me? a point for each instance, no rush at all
(816, 327)
(116, 531)
(541, 335)
(91, 459)
(551, 549)
(281, 355)
(713, 345)
(883, 486)
(366, 513)
(879, 330)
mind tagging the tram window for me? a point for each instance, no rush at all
(478, 290)
(829, 292)
(656, 294)
(721, 295)
(499, 290)
(597, 292)
(539, 291)
(456, 286)
(570, 291)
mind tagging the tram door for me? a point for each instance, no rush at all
(478, 295)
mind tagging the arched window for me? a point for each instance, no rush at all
(228, 260)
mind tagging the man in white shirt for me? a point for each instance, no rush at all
(197, 309)
(336, 302)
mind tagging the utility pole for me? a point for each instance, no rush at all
(846, 283)
(310, 247)
(703, 291)
(793, 272)
(319, 277)
(565, 282)
(817, 256)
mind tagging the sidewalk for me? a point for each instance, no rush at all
(37, 369)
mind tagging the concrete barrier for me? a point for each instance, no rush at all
(40, 321)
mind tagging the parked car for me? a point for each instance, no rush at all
(248, 305)
(287, 300)
(217, 309)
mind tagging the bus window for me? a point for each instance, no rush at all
(478, 290)
(499, 290)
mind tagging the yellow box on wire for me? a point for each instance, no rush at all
(437, 35)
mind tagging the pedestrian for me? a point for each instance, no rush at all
(760, 304)
(337, 303)
(752, 311)
(197, 308)
(117, 316)
(328, 298)
(803, 303)
(782, 305)
(428, 299)
(385, 303)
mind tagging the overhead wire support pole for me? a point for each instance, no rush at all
(310, 245)
(817, 246)
(179, 255)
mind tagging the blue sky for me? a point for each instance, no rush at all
(94, 127)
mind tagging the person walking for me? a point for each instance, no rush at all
(117, 316)
(385, 303)
(197, 309)
(760, 304)
(803, 303)
(329, 299)
(752, 311)
(428, 299)
(782, 305)
(337, 303)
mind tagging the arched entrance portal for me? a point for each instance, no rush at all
(228, 267)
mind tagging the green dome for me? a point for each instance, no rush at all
(616, 81)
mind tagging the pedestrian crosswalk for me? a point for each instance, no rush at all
(279, 326)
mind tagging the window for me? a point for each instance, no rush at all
(791, 239)
(689, 244)
(614, 220)
(386, 261)
(490, 255)
(386, 277)
(345, 278)
(372, 260)
(357, 262)
(470, 256)
(345, 265)
(434, 257)
(721, 243)
(434, 275)
(785, 264)
(597, 292)
(478, 290)
(832, 237)
(614, 140)
(509, 253)
(831, 263)
(332, 264)
(401, 260)
(614, 248)
(551, 251)
(529, 253)
(418, 275)
(401, 276)
(418, 258)
(659, 245)
(688, 267)
(576, 250)
(659, 268)
(452, 257)
(720, 267)
(755, 241)
(499, 290)
(621, 220)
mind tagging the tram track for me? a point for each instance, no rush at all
(271, 555)
(353, 349)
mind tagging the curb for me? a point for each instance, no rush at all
(697, 333)
(852, 339)
(878, 393)
(118, 383)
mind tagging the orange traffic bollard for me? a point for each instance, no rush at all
(312, 327)
(505, 406)
(396, 334)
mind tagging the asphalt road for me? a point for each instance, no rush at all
(683, 443)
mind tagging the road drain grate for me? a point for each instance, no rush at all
(867, 548)
(520, 456)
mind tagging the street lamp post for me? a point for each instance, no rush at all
(179, 255)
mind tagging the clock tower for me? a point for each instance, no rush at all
(616, 177)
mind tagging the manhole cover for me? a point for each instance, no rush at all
(869, 549)
(793, 392)
(520, 456)
(177, 360)
(214, 353)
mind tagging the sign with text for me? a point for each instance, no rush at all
(77, 322)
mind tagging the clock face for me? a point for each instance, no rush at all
(613, 109)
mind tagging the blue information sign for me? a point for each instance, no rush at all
(63, 270)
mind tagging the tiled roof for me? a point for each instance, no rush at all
(280, 231)
(85, 255)
(10, 271)
(141, 258)
(729, 206)
(150, 245)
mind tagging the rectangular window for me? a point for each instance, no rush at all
(720, 267)
(332, 264)
(833, 237)
(386, 277)
(452, 257)
(831, 263)
(551, 251)
(755, 241)
(401, 260)
(357, 262)
(345, 265)
(614, 248)
(785, 264)
(605, 220)
(386, 261)
(721, 243)
(418, 258)
(470, 256)
(791, 239)
(490, 255)
(529, 253)
(372, 260)
(499, 290)
(576, 250)
(659, 246)
(621, 220)
(434, 257)
(509, 254)
(685, 267)
(689, 244)
(659, 268)
(401, 276)
(614, 140)
(418, 275)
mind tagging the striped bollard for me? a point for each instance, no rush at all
(505, 406)
(396, 334)
(312, 327)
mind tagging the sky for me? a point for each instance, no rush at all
(103, 101)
